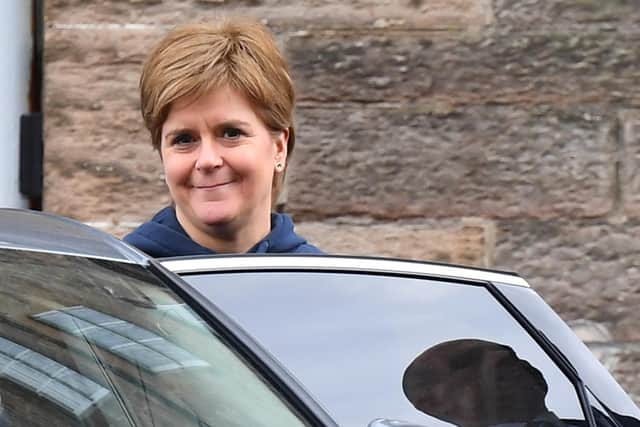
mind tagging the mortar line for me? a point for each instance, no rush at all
(619, 148)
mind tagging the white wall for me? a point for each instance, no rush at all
(16, 47)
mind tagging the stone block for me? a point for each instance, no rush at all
(95, 70)
(567, 14)
(422, 162)
(586, 270)
(626, 360)
(590, 332)
(117, 226)
(100, 165)
(630, 162)
(622, 360)
(466, 241)
(305, 15)
(101, 190)
(500, 67)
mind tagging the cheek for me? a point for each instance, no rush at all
(175, 168)
(258, 161)
(167, 167)
(176, 164)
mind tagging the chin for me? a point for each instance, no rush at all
(215, 215)
(215, 220)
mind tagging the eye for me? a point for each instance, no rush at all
(232, 133)
(182, 138)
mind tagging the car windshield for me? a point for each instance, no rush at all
(99, 343)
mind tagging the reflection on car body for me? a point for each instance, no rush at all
(44, 376)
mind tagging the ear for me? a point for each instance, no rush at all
(280, 142)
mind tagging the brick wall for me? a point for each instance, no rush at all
(500, 133)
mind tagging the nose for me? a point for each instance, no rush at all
(209, 156)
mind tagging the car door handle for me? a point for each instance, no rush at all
(385, 422)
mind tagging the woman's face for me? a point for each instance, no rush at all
(219, 160)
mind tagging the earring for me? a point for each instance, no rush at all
(279, 166)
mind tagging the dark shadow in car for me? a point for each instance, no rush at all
(476, 383)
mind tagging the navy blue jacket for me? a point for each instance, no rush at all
(163, 236)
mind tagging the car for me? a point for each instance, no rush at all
(95, 333)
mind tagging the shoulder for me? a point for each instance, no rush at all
(284, 239)
(164, 237)
(307, 248)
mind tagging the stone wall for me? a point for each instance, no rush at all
(499, 133)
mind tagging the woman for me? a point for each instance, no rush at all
(218, 102)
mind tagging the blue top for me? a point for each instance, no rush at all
(163, 236)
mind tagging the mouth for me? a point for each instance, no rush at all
(212, 186)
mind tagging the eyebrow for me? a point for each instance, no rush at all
(176, 132)
(236, 123)
(228, 123)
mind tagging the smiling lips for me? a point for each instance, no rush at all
(212, 186)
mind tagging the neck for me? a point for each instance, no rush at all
(228, 238)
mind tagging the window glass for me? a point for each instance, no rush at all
(97, 343)
(398, 348)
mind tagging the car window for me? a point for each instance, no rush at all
(98, 343)
(399, 348)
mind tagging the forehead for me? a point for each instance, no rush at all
(217, 104)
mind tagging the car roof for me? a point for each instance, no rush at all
(284, 262)
(42, 232)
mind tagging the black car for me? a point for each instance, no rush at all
(95, 333)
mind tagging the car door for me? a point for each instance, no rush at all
(391, 342)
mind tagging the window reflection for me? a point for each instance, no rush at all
(124, 339)
(48, 378)
(491, 385)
